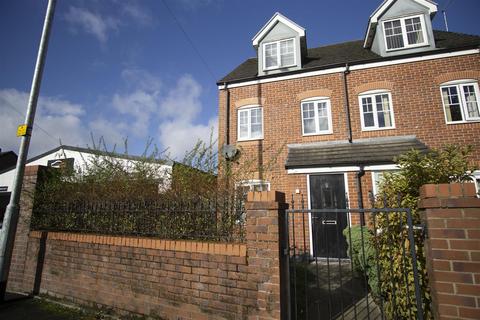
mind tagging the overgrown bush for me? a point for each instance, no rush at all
(148, 195)
(360, 241)
(449, 164)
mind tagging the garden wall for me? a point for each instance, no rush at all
(160, 278)
(452, 216)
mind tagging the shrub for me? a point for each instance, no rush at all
(401, 189)
(361, 247)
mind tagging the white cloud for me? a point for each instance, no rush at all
(139, 14)
(92, 23)
(139, 105)
(180, 136)
(140, 79)
(56, 119)
(175, 115)
(182, 106)
(183, 101)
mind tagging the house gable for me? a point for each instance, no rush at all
(279, 31)
(394, 11)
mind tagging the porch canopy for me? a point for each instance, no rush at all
(372, 151)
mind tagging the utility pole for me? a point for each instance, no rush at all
(10, 220)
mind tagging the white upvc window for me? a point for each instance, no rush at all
(376, 110)
(316, 116)
(405, 32)
(254, 185)
(461, 101)
(250, 123)
(279, 54)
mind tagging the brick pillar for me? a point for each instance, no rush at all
(452, 215)
(264, 210)
(17, 267)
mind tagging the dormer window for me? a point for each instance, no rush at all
(405, 32)
(279, 54)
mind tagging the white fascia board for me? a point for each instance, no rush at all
(354, 67)
(277, 17)
(382, 167)
(323, 170)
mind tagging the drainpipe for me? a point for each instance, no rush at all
(346, 102)
(360, 174)
(227, 115)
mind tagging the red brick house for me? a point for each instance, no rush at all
(340, 113)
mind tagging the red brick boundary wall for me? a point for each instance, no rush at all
(452, 216)
(16, 279)
(159, 278)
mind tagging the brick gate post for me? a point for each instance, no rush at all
(17, 278)
(452, 215)
(264, 211)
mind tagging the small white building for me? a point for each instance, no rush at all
(76, 157)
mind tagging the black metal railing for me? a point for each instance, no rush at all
(213, 220)
(352, 263)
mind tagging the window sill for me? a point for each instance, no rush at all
(378, 129)
(252, 139)
(463, 122)
(317, 134)
(280, 67)
(420, 45)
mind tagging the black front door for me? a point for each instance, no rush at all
(328, 192)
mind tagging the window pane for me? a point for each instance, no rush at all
(271, 55)
(368, 120)
(287, 54)
(308, 110)
(323, 124)
(452, 104)
(414, 30)
(256, 122)
(393, 34)
(367, 108)
(383, 110)
(243, 131)
(308, 126)
(471, 101)
(256, 130)
(323, 116)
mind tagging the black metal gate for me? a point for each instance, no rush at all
(363, 285)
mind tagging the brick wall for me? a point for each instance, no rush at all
(16, 276)
(416, 101)
(452, 215)
(160, 278)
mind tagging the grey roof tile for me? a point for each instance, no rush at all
(343, 153)
(352, 52)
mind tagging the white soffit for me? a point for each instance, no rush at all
(277, 17)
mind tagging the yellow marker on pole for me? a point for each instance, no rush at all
(22, 130)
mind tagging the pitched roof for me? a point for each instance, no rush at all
(93, 151)
(343, 153)
(352, 52)
(277, 17)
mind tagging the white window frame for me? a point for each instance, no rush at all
(404, 33)
(249, 108)
(254, 182)
(317, 100)
(463, 105)
(279, 65)
(372, 95)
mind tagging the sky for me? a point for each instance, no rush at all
(145, 71)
